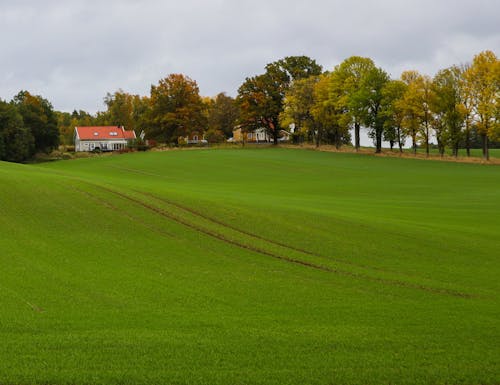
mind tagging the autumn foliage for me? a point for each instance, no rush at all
(457, 108)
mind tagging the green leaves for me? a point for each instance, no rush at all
(261, 97)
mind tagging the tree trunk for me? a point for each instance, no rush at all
(486, 152)
(357, 140)
(337, 139)
(467, 141)
(414, 144)
(400, 143)
(378, 137)
(427, 141)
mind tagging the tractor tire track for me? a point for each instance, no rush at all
(114, 208)
(218, 236)
(16, 295)
(270, 241)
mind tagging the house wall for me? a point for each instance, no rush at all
(259, 135)
(237, 135)
(104, 145)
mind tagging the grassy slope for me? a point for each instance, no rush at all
(142, 269)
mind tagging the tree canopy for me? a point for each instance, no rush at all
(458, 108)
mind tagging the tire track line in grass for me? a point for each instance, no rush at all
(16, 295)
(256, 236)
(274, 242)
(385, 281)
(124, 214)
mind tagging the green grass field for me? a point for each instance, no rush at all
(462, 153)
(249, 266)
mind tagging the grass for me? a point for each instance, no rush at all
(249, 266)
(462, 153)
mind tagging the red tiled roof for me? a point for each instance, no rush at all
(104, 132)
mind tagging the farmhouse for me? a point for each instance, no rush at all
(104, 138)
(259, 135)
(195, 137)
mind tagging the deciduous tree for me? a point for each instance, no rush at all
(261, 97)
(223, 114)
(392, 94)
(416, 115)
(447, 108)
(482, 83)
(297, 107)
(346, 82)
(176, 108)
(39, 117)
(327, 114)
(368, 101)
(16, 141)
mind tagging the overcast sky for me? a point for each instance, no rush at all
(72, 52)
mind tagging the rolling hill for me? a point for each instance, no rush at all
(249, 266)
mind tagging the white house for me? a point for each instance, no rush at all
(104, 138)
(259, 135)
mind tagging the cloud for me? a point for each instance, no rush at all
(74, 52)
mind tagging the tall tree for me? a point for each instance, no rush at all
(297, 106)
(327, 114)
(176, 108)
(120, 108)
(447, 108)
(64, 127)
(483, 86)
(416, 115)
(392, 94)
(467, 108)
(16, 141)
(261, 97)
(346, 82)
(368, 99)
(223, 114)
(39, 117)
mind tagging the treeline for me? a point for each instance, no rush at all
(28, 124)
(458, 107)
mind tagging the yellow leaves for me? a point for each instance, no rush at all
(482, 81)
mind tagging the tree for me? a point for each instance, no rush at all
(447, 107)
(16, 141)
(482, 83)
(327, 115)
(39, 117)
(260, 102)
(297, 107)
(120, 109)
(346, 82)
(65, 127)
(261, 97)
(367, 100)
(392, 95)
(414, 105)
(176, 108)
(223, 114)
